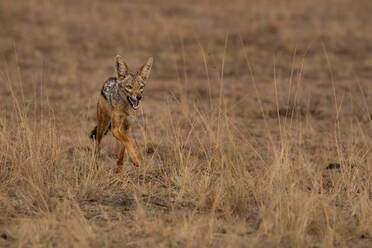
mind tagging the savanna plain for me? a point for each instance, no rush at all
(254, 130)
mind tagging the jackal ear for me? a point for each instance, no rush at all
(145, 70)
(120, 67)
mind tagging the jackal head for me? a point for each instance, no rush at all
(131, 85)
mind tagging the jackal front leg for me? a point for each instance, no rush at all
(116, 123)
(120, 151)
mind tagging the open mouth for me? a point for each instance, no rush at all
(133, 102)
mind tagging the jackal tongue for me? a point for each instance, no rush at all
(135, 103)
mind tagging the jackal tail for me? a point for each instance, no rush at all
(93, 133)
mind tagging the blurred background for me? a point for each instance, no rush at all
(72, 38)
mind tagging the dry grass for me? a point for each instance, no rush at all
(255, 129)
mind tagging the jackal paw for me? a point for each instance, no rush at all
(135, 162)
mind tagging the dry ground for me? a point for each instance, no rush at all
(255, 129)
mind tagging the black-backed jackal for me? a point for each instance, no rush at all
(119, 99)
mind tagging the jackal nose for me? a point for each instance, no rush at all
(139, 97)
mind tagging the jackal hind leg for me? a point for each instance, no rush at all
(101, 128)
(118, 148)
(103, 121)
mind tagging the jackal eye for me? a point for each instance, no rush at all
(129, 87)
